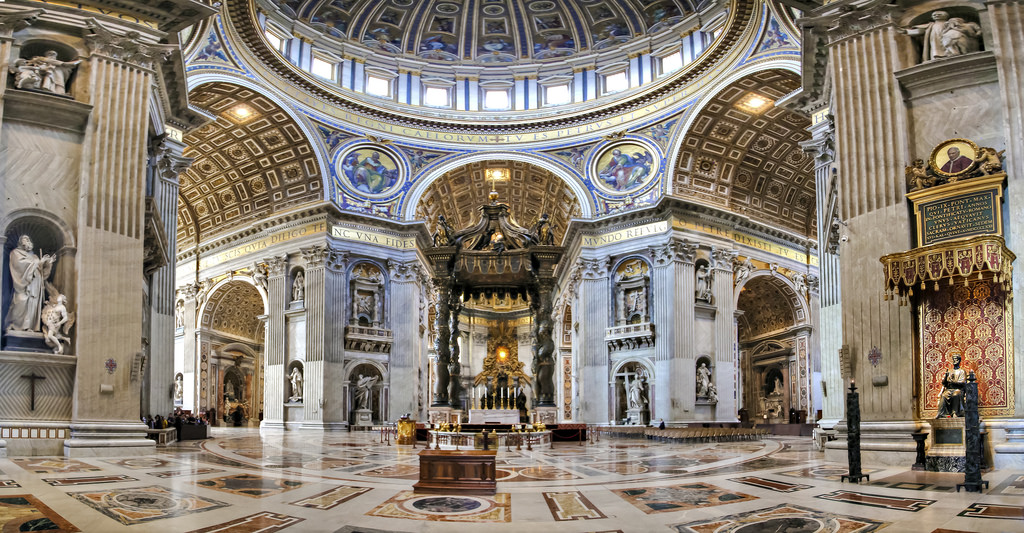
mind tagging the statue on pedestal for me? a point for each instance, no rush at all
(56, 320)
(28, 273)
(635, 393)
(951, 399)
(946, 37)
(363, 385)
(296, 379)
(703, 291)
(179, 388)
(299, 287)
(45, 72)
(703, 380)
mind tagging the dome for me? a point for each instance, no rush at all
(488, 31)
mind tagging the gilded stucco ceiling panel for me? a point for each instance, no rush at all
(251, 162)
(766, 308)
(233, 309)
(747, 158)
(530, 191)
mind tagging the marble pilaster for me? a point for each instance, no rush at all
(726, 359)
(592, 313)
(274, 349)
(317, 323)
(406, 346)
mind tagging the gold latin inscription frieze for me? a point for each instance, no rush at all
(100, 11)
(373, 237)
(594, 241)
(970, 214)
(262, 243)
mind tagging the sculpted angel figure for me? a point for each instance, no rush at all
(919, 176)
(989, 160)
(57, 321)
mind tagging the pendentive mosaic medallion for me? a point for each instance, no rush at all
(370, 170)
(624, 167)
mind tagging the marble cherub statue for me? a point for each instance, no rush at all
(57, 321)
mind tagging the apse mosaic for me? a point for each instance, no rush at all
(624, 167)
(370, 170)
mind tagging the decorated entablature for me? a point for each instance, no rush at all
(959, 276)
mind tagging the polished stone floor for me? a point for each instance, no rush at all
(244, 481)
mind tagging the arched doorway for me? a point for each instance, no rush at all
(230, 343)
(773, 339)
(631, 392)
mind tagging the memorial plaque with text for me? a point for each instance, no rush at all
(957, 210)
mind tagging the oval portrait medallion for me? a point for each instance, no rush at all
(624, 167)
(371, 170)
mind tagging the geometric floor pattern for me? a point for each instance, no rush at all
(245, 481)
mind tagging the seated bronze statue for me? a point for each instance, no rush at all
(951, 400)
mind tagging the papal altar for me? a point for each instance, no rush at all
(493, 416)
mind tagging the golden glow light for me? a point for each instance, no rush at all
(241, 111)
(753, 103)
(497, 174)
(502, 353)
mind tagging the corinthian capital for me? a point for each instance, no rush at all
(593, 268)
(127, 47)
(13, 21)
(277, 265)
(404, 272)
(315, 256)
(723, 258)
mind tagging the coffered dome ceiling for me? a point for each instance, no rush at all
(747, 158)
(488, 31)
(251, 162)
(233, 309)
(767, 307)
(530, 192)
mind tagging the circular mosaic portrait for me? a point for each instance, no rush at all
(954, 157)
(371, 170)
(624, 167)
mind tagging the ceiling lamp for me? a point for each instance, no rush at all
(754, 103)
(241, 112)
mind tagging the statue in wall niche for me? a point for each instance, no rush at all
(635, 393)
(57, 321)
(703, 380)
(179, 387)
(945, 37)
(636, 302)
(45, 72)
(28, 272)
(951, 399)
(777, 387)
(296, 378)
(299, 287)
(363, 386)
(179, 314)
(703, 291)
(799, 283)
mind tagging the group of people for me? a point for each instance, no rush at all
(177, 418)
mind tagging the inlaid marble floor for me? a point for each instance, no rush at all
(244, 481)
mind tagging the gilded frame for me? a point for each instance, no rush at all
(940, 158)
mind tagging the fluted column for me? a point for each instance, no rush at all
(407, 346)
(593, 318)
(167, 164)
(872, 148)
(273, 370)
(111, 215)
(662, 295)
(1007, 30)
(316, 335)
(726, 360)
(190, 348)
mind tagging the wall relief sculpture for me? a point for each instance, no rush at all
(367, 286)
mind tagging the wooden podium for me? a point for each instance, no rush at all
(457, 471)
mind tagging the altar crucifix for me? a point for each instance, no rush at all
(32, 387)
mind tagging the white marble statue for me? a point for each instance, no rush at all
(799, 283)
(743, 270)
(46, 72)
(703, 380)
(296, 379)
(777, 387)
(363, 386)
(299, 287)
(56, 320)
(179, 387)
(259, 275)
(635, 393)
(28, 273)
(179, 314)
(703, 291)
(712, 393)
(946, 37)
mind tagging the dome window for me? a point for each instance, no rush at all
(275, 40)
(322, 68)
(616, 82)
(557, 94)
(496, 99)
(437, 97)
(376, 86)
(671, 63)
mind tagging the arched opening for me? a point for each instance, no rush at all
(369, 398)
(230, 342)
(631, 387)
(773, 354)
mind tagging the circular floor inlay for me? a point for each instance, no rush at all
(145, 500)
(447, 504)
(789, 525)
